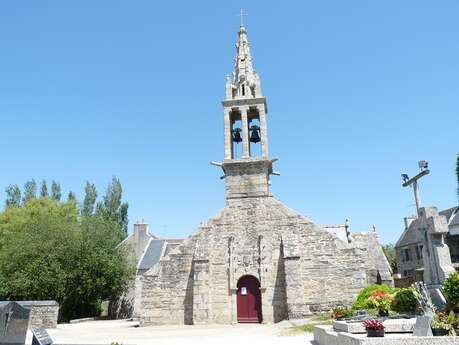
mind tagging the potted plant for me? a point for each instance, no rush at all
(374, 328)
(381, 300)
(443, 324)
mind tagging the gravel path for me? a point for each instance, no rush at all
(127, 332)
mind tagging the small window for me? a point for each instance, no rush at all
(419, 251)
(407, 254)
(243, 90)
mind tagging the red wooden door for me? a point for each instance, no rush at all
(248, 300)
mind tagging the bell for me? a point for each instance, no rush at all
(254, 136)
(237, 135)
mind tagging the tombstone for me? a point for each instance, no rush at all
(41, 337)
(14, 321)
(422, 327)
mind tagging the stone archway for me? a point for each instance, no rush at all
(249, 300)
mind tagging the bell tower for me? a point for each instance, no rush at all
(246, 165)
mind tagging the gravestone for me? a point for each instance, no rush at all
(422, 327)
(14, 321)
(41, 337)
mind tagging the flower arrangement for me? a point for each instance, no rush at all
(381, 300)
(373, 325)
(374, 328)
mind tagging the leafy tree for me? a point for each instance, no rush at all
(112, 208)
(56, 191)
(90, 198)
(44, 190)
(48, 252)
(71, 196)
(13, 196)
(30, 190)
(389, 251)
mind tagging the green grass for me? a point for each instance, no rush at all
(309, 326)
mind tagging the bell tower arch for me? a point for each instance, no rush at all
(246, 164)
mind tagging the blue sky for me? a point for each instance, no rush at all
(358, 92)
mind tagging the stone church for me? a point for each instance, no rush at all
(257, 260)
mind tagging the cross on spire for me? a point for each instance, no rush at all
(242, 14)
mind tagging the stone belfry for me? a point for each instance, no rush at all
(256, 260)
(247, 170)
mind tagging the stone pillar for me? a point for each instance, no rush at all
(294, 286)
(228, 134)
(263, 131)
(436, 255)
(201, 289)
(245, 133)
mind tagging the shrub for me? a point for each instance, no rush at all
(451, 289)
(362, 301)
(405, 301)
(381, 300)
(342, 312)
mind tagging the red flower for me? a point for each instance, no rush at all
(373, 324)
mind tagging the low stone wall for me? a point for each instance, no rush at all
(43, 314)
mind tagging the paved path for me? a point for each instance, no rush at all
(127, 332)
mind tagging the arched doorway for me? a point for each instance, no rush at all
(248, 300)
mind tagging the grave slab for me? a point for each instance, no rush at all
(391, 326)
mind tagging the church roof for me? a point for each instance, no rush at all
(156, 249)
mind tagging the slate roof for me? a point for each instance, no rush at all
(452, 215)
(156, 249)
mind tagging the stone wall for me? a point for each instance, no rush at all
(122, 306)
(301, 267)
(43, 314)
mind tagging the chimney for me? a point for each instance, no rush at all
(141, 237)
(408, 221)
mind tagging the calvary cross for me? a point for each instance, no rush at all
(242, 16)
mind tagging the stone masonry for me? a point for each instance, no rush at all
(301, 267)
(43, 314)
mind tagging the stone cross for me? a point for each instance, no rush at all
(242, 14)
(423, 165)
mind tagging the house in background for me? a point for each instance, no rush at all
(409, 247)
(144, 250)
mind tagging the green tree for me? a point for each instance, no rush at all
(90, 198)
(30, 190)
(48, 252)
(71, 196)
(389, 251)
(56, 191)
(13, 196)
(112, 208)
(44, 190)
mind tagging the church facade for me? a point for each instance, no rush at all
(257, 260)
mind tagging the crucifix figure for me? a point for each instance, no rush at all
(242, 16)
(423, 165)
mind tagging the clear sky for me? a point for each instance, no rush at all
(358, 92)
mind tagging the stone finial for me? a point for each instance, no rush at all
(244, 82)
